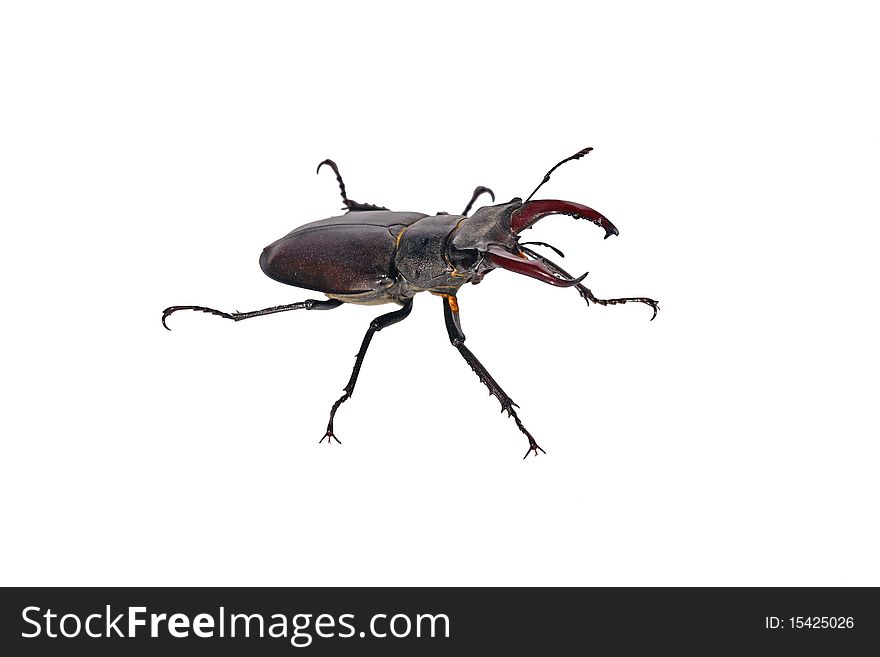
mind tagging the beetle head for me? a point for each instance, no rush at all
(490, 238)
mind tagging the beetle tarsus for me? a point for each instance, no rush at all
(585, 292)
(589, 296)
(308, 304)
(349, 389)
(533, 445)
(655, 305)
(331, 437)
(173, 309)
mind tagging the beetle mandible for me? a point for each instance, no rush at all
(372, 255)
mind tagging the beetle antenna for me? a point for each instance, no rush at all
(478, 192)
(351, 206)
(576, 156)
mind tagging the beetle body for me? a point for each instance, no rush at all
(371, 255)
(380, 256)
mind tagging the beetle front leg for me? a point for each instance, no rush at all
(584, 291)
(457, 338)
(383, 321)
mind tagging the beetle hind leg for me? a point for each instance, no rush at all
(457, 338)
(383, 321)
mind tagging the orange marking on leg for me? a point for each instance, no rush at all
(453, 302)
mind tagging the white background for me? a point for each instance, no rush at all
(150, 150)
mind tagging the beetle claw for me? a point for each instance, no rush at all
(330, 438)
(534, 447)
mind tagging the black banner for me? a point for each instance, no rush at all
(436, 621)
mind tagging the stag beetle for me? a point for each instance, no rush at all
(372, 255)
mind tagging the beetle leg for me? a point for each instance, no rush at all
(383, 321)
(457, 338)
(348, 204)
(549, 246)
(585, 292)
(308, 304)
(478, 192)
